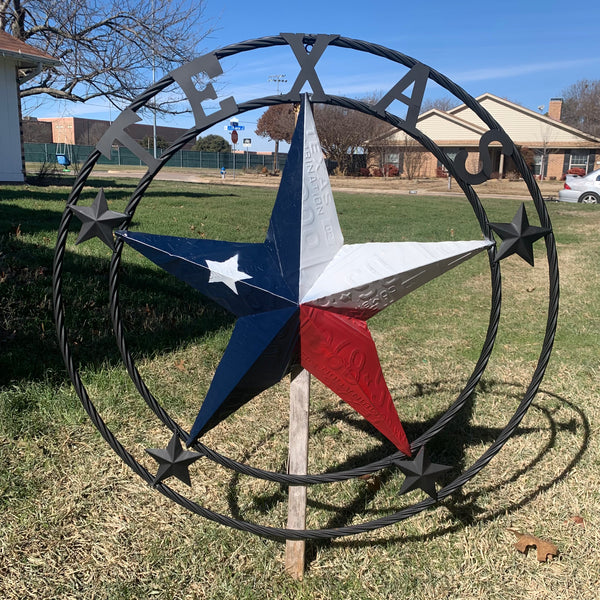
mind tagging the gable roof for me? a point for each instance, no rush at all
(460, 126)
(524, 125)
(438, 125)
(23, 54)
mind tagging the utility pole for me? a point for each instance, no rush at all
(277, 79)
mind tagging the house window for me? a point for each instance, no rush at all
(392, 158)
(579, 160)
(538, 160)
(451, 154)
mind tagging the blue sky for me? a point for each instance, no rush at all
(524, 51)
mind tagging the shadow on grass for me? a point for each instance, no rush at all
(449, 447)
(60, 193)
(464, 507)
(160, 312)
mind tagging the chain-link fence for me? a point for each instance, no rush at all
(121, 156)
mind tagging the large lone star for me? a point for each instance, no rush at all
(303, 296)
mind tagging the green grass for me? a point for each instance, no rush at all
(76, 523)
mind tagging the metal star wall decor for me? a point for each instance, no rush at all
(302, 293)
(98, 221)
(173, 461)
(303, 297)
(518, 236)
(422, 474)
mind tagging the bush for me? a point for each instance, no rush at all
(377, 172)
(364, 172)
(576, 171)
(391, 170)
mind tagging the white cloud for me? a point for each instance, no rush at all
(516, 70)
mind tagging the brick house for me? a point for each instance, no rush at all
(19, 62)
(554, 147)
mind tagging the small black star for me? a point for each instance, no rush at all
(98, 221)
(421, 473)
(518, 236)
(173, 460)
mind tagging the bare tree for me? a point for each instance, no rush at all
(344, 132)
(277, 123)
(396, 147)
(413, 157)
(444, 103)
(581, 106)
(106, 48)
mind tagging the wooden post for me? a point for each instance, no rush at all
(295, 550)
(297, 465)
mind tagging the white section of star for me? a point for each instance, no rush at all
(374, 275)
(321, 236)
(360, 277)
(226, 272)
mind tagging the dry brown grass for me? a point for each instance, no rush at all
(76, 523)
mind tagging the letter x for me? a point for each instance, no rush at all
(307, 62)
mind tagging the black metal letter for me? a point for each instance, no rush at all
(307, 61)
(116, 131)
(209, 65)
(493, 135)
(418, 76)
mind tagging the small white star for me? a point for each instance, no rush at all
(226, 272)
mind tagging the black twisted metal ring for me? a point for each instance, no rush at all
(446, 418)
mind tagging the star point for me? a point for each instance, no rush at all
(98, 221)
(173, 461)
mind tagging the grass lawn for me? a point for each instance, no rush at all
(77, 523)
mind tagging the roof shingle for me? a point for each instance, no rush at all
(24, 54)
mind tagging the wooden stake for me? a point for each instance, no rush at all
(297, 465)
(295, 550)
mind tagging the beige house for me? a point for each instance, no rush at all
(550, 146)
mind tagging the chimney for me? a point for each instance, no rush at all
(555, 108)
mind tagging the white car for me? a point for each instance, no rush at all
(584, 189)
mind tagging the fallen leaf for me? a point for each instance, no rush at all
(179, 364)
(525, 541)
(373, 481)
(576, 519)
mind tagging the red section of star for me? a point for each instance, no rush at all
(340, 352)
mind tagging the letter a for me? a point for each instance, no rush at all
(417, 75)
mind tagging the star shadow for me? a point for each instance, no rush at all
(452, 443)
